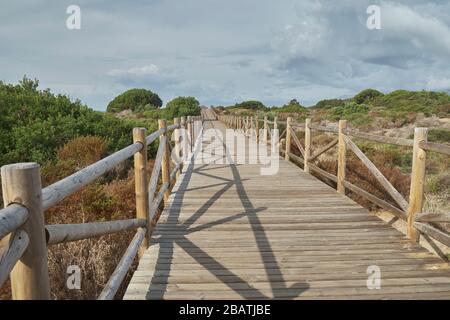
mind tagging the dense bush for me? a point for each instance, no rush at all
(329, 103)
(250, 105)
(292, 107)
(351, 111)
(34, 123)
(403, 101)
(138, 100)
(439, 135)
(367, 95)
(176, 108)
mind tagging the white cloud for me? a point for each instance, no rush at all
(438, 83)
(423, 31)
(136, 71)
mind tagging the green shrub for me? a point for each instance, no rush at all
(367, 95)
(138, 100)
(439, 135)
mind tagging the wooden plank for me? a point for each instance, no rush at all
(378, 175)
(222, 235)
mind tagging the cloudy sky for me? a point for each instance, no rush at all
(223, 52)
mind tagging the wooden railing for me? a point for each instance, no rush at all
(25, 237)
(417, 223)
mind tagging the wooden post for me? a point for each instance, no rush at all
(165, 166)
(21, 184)
(265, 130)
(189, 131)
(177, 136)
(183, 136)
(307, 144)
(288, 138)
(257, 128)
(141, 183)
(275, 123)
(417, 181)
(342, 159)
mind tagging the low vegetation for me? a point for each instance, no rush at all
(65, 136)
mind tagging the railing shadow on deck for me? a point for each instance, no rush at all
(221, 272)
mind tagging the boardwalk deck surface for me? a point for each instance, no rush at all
(230, 233)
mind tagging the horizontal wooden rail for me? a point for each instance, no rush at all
(298, 125)
(11, 218)
(60, 233)
(433, 232)
(380, 139)
(436, 147)
(75, 182)
(14, 252)
(116, 279)
(155, 135)
(432, 217)
(323, 128)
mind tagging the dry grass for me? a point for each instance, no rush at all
(101, 201)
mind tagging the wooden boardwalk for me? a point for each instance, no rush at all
(230, 233)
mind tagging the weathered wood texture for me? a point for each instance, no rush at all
(227, 232)
(21, 183)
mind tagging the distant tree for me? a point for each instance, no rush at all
(292, 107)
(137, 100)
(367, 95)
(182, 106)
(329, 103)
(250, 105)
